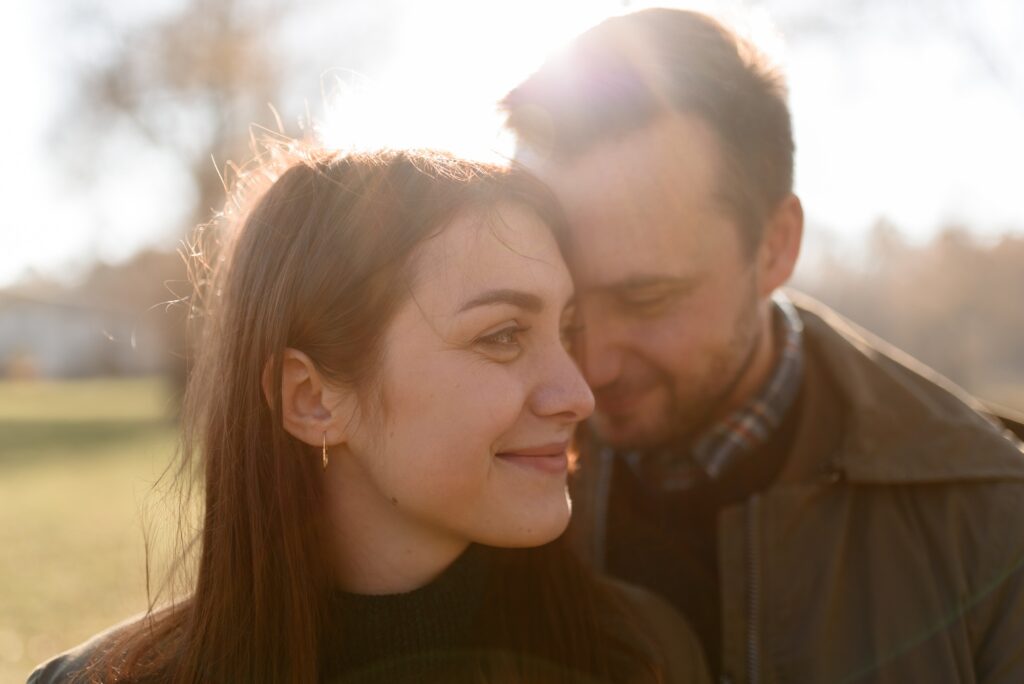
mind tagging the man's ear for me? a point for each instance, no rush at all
(308, 407)
(780, 244)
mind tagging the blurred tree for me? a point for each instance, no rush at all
(987, 31)
(190, 77)
(187, 80)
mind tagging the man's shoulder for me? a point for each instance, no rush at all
(904, 422)
(1011, 420)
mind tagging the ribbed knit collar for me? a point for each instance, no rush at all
(393, 637)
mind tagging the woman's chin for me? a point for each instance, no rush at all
(540, 527)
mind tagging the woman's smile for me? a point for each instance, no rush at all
(549, 458)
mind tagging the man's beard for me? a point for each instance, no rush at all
(694, 403)
(687, 417)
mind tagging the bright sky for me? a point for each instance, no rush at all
(897, 117)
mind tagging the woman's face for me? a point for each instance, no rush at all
(478, 396)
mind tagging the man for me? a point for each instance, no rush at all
(821, 507)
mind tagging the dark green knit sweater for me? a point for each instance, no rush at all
(422, 635)
(426, 636)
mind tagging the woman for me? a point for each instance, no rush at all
(382, 407)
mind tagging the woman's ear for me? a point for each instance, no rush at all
(308, 408)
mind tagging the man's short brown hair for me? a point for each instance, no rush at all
(627, 71)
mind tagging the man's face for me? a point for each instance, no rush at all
(667, 291)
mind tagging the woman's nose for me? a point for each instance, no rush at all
(562, 391)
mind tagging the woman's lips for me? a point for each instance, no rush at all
(551, 458)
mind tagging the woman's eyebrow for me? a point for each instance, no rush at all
(524, 300)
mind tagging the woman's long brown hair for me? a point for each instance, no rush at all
(314, 253)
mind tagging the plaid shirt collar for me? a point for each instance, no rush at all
(746, 428)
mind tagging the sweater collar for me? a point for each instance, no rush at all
(390, 632)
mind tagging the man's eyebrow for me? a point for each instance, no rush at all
(523, 300)
(642, 282)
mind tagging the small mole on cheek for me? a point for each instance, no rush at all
(394, 501)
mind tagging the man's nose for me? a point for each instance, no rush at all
(598, 350)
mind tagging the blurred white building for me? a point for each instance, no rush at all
(55, 338)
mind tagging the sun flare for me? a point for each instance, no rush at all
(441, 86)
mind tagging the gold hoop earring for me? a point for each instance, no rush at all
(325, 450)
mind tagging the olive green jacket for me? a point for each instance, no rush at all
(889, 549)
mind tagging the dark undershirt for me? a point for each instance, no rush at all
(668, 542)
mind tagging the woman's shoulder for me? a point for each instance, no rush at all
(64, 667)
(674, 645)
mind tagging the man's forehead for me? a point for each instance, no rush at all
(664, 174)
(671, 150)
(644, 206)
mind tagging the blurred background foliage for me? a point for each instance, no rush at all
(92, 365)
(955, 303)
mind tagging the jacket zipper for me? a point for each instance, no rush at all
(754, 593)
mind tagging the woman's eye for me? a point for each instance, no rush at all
(506, 336)
(505, 343)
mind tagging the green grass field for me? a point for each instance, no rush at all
(77, 464)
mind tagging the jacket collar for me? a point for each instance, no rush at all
(901, 421)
